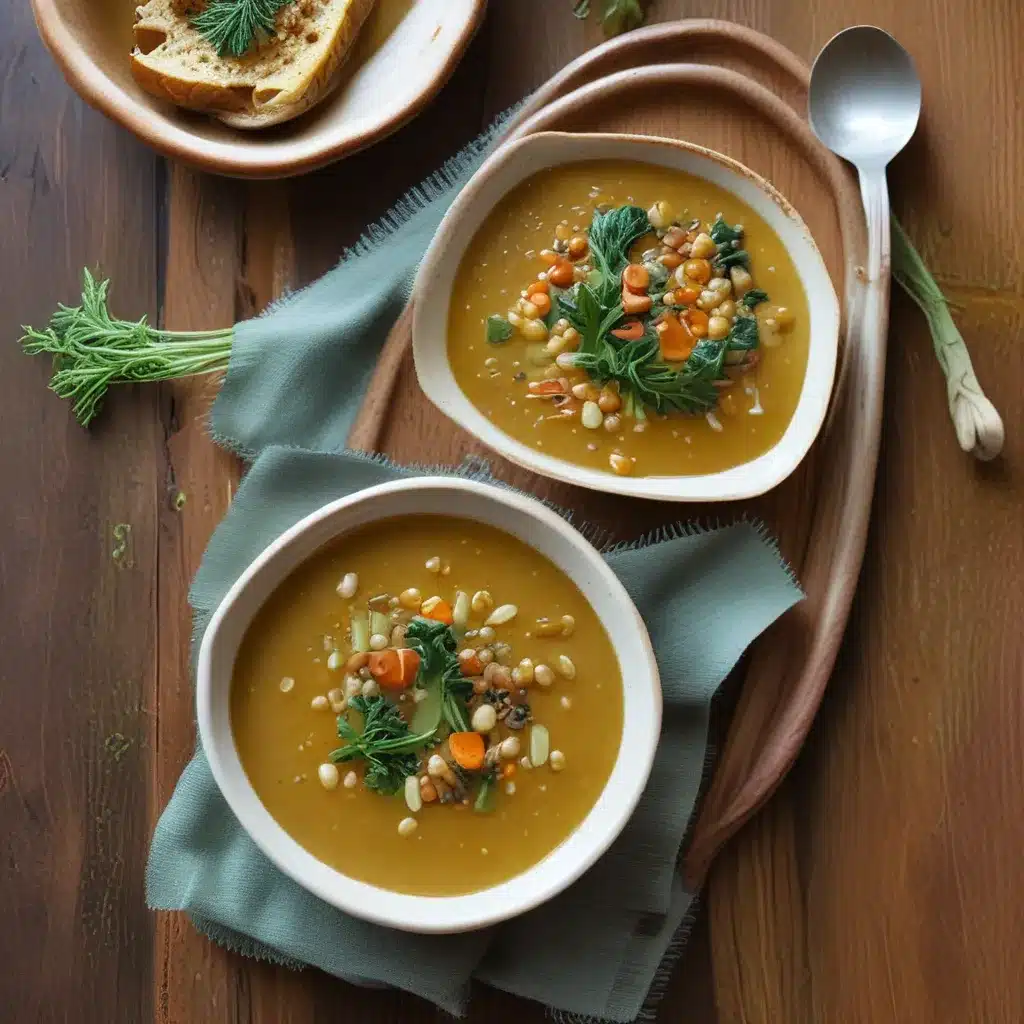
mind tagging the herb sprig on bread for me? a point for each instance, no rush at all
(232, 26)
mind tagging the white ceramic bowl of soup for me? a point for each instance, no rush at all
(518, 161)
(545, 532)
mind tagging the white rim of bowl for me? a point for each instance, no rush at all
(474, 204)
(539, 883)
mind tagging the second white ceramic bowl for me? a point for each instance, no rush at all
(384, 88)
(545, 532)
(516, 161)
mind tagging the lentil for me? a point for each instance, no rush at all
(502, 614)
(497, 676)
(348, 586)
(591, 416)
(544, 676)
(485, 718)
(509, 748)
(523, 674)
(460, 610)
(413, 797)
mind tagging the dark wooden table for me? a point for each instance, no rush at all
(882, 883)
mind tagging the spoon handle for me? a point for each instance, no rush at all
(874, 192)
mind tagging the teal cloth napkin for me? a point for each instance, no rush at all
(603, 948)
(597, 949)
(297, 374)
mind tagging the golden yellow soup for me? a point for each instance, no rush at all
(304, 664)
(512, 353)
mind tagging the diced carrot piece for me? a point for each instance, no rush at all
(561, 274)
(670, 260)
(551, 386)
(578, 247)
(441, 611)
(542, 302)
(675, 340)
(470, 663)
(468, 750)
(410, 662)
(634, 304)
(697, 320)
(632, 330)
(549, 256)
(697, 270)
(636, 279)
(536, 287)
(508, 769)
(394, 670)
(687, 296)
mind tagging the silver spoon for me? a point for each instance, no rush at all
(864, 102)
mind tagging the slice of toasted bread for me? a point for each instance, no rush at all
(278, 79)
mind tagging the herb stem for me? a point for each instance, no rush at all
(92, 350)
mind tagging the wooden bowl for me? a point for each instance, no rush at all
(405, 53)
(516, 161)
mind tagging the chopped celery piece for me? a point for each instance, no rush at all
(360, 632)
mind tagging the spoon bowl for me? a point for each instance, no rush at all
(865, 96)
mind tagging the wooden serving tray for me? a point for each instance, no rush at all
(741, 93)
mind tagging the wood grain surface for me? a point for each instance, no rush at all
(880, 884)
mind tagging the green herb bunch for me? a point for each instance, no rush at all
(645, 380)
(610, 237)
(92, 350)
(232, 26)
(386, 744)
(439, 671)
(727, 239)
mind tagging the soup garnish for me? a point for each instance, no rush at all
(665, 333)
(436, 751)
(645, 327)
(443, 698)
